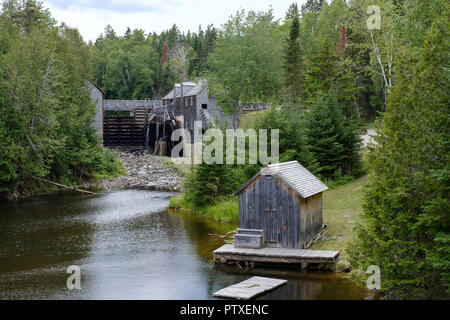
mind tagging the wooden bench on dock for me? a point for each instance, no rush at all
(229, 253)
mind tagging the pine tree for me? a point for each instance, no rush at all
(351, 157)
(207, 183)
(321, 73)
(330, 71)
(293, 59)
(325, 132)
(312, 6)
(127, 34)
(292, 12)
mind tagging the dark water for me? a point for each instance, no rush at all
(128, 246)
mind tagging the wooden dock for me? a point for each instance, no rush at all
(250, 288)
(228, 253)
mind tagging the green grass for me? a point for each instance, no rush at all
(342, 208)
(248, 119)
(225, 210)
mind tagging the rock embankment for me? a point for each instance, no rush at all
(145, 171)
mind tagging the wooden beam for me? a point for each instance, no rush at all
(63, 186)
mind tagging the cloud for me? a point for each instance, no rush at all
(119, 6)
(91, 16)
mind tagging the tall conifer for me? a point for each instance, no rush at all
(293, 59)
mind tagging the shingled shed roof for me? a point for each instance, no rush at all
(296, 176)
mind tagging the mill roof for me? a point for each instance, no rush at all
(130, 104)
(190, 88)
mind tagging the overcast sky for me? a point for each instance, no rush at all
(91, 16)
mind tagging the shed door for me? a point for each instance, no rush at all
(271, 217)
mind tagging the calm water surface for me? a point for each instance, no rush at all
(129, 246)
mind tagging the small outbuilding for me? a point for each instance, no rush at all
(282, 204)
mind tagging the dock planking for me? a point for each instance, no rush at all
(274, 255)
(250, 288)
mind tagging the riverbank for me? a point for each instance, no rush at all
(225, 210)
(145, 171)
(140, 171)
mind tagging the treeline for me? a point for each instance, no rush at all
(328, 46)
(46, 114)
(138, 66)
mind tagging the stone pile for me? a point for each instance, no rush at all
(145, 171)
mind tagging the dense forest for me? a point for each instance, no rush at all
(46, 111)
(325, 74)
(139, 66)
(328, 46)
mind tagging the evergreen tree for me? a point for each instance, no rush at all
(321, 74)
(127, 34)
(292, 126)
(207, 183)
(293, 60)
(109, 32)
(312, 6)
(173, 36)
(292, 12)
(407, 223)
(327, 71)
(325, 132)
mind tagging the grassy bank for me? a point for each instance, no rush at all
(225, 210)
(342, 208)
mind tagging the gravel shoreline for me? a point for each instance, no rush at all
(146, 171)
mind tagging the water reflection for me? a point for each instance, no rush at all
(129, 246)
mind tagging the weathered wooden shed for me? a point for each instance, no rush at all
(285, 201)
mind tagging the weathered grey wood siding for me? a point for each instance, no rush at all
(287, 220)
(267, 205)
(311, 217)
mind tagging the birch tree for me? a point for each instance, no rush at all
(375, 20)
(180, 61)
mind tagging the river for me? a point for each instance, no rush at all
(128, 245)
